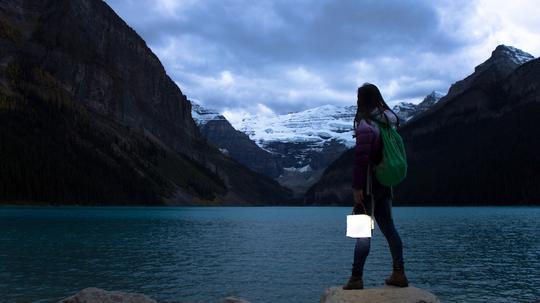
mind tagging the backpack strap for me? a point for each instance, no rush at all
(369, 191)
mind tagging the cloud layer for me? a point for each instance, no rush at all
(250, 56)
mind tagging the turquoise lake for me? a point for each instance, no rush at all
(262, 254)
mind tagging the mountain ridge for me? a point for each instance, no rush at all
(289, 149)
(89, 116)
(473, 147)
(233, 143)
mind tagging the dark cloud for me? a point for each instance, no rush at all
(293, 55)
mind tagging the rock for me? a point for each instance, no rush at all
(96, 295)
(387, 294)
(234, 300)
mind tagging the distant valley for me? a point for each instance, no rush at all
(293, 148)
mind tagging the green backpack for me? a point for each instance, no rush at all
(393, 166)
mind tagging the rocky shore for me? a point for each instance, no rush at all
(97, 295)
(386, 294)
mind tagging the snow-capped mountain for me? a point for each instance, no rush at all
(498, 100)
(233, 143)
(203, 115)
(503, 53)
(306, 141)
(503, 61)
(294, 148)
(316, 127)
(406, 110)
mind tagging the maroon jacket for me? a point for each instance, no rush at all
(368, 149)
(369, 145)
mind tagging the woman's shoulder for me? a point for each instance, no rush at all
(366, 126)
(387, 117)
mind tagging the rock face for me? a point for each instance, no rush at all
(334, 186)
(503, 61)
(306, 142)
(404, 110)
(96, 295)
(477, 145)
(219, 132)
(407, 111)
(89, 116)
(379, 295)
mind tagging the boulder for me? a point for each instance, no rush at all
(234, 300)
(387, 294)
(96, 295)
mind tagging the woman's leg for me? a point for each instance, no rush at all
(383, 216)
(361, 251)
(362, 246)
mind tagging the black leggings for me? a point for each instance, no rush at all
(383, 217)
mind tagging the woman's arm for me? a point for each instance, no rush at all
(365, 135)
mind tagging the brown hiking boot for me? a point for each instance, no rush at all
(355, 282)
(398, 277)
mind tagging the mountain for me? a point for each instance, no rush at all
(502, 62)
(406, 110)
(300, 136)
(477, 145)
(233, 143)
(306, 142)
(89, 116)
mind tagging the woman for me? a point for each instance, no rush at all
(368, 152)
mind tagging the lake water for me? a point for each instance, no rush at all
(262, 254)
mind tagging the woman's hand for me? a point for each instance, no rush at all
(359, 207)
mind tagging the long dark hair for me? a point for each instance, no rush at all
(369, 98)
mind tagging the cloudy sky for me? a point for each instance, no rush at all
(247, 57)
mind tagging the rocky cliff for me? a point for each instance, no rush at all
(235, 144)
(88, 115)
(407, 111)
(477, 145)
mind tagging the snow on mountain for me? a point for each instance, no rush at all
(515, 54)
(233, 143)
(433, 98)
(503, 61)
(504, 57)
(316, 126)
(202, 115)
(406, 110)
